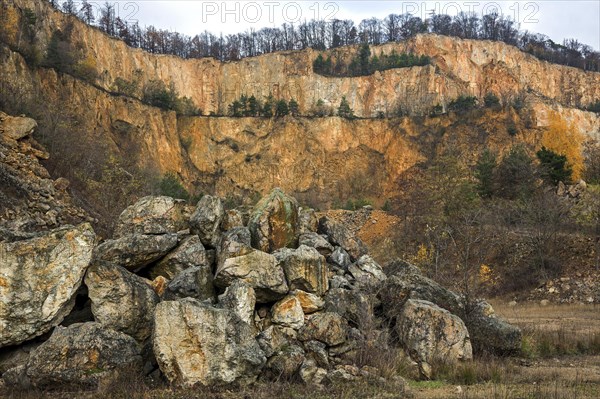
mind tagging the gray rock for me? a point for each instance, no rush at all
(16, 128)
(317, 351)
(310, 374)
(134, 252)
(327, 327)
(489, 333)
(38, 281)
(206, 220)
(367, 272)
(153, 215)
(197, 343)
(353, 305)
(285, 363)
(317, 242)
(430, 333)
(190, 253)
(288, 312)
(273, 338)
(274, 222)
(308, 221)
(258, 269)
(241, 299)
(81, 356)
(234, 242)
(233, 218)
(305, 269)
(340, 257)
(121, 300)
(340, 235)
(195, 282)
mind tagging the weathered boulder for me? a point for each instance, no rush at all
(232, 218)
(259, 270)
(206, 220)
(305, 269)
(288, 312)
(430, 333)
(274, 222)
(195, 282)
(317, 242)
(234, 242)
(241, 299)
(197, 343)
(273, 338)
(310, 303)
(81, 356)
(489, 333)
(353, 305)
(340, 257)
(121, 300)
(153, 215)
(340, 235)
(308, 221)
(190, 253)
(285, 363)
(367, 272)
(16, 127)
(327, 327)
(310, 374)
(134, 252)
(38, 281)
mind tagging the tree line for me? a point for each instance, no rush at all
(323, 35)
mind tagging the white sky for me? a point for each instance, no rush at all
(558, 19)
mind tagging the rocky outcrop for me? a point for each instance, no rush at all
(30, 200)
(79, 356)
(121, 300)
(153, 215)
(197, 343)
(38, 281)
(432, 334)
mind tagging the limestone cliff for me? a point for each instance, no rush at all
(325, 158)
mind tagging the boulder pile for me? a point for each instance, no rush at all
(197, 296)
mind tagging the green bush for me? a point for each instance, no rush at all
(126, 87)
(170, 186)
(462, 104)
(484, 173)
(344, 109)
(491, 100)
(554, 166)
(595, 107)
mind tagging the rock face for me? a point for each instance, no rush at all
(16, 128)
(196, 343)
(259, 270)
(121, 300)
(432, 334)
(195, 282)
(81, 355)
(135, 251)
(38, 280)
(152, 215)
(207, 219)
(274, 222)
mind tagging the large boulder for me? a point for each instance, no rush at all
(241, 299)
(79, 356)
(288, 312)
(341, 235)
(259, 270)
(197, 343)
(310, 303)
(38, 281)
(317, 242)
(274, 222)
(430, 333)
(153, 215)
(16, 127)
(308, 221)
(134, 252)
(327, 327)
(206, 220)
(284, 364)
(489, 333)
(234, 242)
(121, 300)
(340, 257)
(367, 272)
(305, 269)
(190, 253)
(195, 282)
(353, 305)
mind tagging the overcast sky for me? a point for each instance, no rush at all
(558, 19)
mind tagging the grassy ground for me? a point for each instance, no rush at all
(560, 360)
